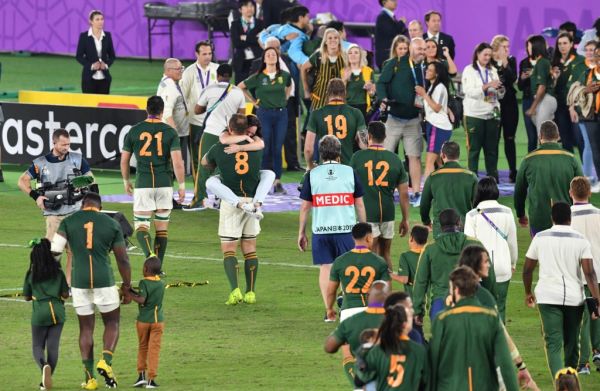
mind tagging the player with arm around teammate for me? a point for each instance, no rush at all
(241, 173)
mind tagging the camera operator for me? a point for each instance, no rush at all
(52, 172)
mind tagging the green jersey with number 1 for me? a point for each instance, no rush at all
(91, 236)
(355, 271)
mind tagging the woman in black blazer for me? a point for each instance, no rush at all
(244, 32)
(96, 53)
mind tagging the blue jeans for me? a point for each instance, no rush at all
(437, 306)
(532, 137)
(587, 158)
(274, 129)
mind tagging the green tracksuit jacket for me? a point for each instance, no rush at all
(437, 261)
(450, 186)
(544, 177)
(473, 333)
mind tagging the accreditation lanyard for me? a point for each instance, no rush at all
(487, 76)
(180, 93)
(412, 68)
(202, 83)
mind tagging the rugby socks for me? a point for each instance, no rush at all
(143, 237)
(349, 369)
(160, 244)
(250, 269)
(107, 355)
(231, 268)
(88, 366)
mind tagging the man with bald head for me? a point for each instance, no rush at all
(176, 109)
(347, 334)
(396, 87)
(415, 29)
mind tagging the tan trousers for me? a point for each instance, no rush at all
(149, 337)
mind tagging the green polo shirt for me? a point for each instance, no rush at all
(153, 290)
(270, 93)
(355, 87)
(564, 81)
(48, 305)
(544, 178)
(408, 268)
(450, 186)
(540, 75)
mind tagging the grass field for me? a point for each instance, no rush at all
(273, 345)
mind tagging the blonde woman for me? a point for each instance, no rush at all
(329, 61)
(506, 66)
(399, 47)
(359, 80)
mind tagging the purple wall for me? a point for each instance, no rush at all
(53, 26)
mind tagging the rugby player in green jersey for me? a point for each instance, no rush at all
(158, 153)
(381, 172)
(91, 235)
(241, 173)
(337, 119)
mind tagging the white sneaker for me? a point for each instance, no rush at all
(596, 188)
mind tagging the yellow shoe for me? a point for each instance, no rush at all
(250, 298)
(235, 297)
(106, 371)
(91, 384)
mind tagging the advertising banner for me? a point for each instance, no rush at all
(96, 133)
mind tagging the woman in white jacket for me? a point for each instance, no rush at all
(482, 89)
(494, 226)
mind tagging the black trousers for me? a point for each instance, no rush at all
(45, 341)
(509, 120)
(184, 142)
(92, 86)
(290, 144)
(570, 136)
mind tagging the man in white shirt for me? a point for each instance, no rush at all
(195, 79)
(176, 107)
(433, 20)
(493, 224)
(565, 258)
(219, 101)
(585, 219)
